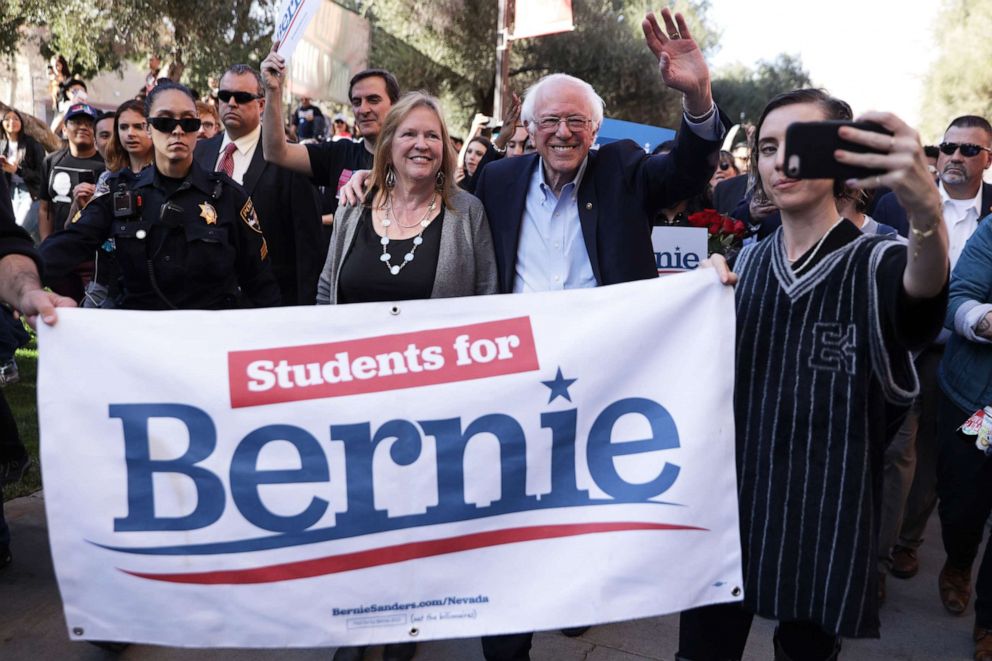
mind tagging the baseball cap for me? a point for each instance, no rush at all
(340, 118)
(80, 109)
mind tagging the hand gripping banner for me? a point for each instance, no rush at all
(361, 474)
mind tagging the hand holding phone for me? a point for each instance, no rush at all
(810, 148)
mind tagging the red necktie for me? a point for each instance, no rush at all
(226, 164)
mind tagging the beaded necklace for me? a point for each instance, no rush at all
(395, 269)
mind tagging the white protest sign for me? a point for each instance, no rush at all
(291, 22)
(678, 249)
(360, 474)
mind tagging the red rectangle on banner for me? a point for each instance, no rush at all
(386, 362)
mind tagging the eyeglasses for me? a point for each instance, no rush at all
(240, 97)
(169, 124)
(967, 149)
(724, 165)
(574, 123)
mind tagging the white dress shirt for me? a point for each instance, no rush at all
(242, 156)
(961, 218)
(551, 253)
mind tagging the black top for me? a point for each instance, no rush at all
(59, 175)
(199, 246)
(364, 278)
(912, 318)
(328, 160)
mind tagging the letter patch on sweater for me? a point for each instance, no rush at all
(834, 348)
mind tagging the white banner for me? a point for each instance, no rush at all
(291, 23)
(373, 473)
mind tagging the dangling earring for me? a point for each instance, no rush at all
(439, 180)
(390, 177)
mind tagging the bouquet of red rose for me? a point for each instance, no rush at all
(726, 234)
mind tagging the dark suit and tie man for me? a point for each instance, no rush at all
(567, 217)
(285, 202)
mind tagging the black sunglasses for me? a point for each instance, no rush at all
(240, 97)
(169, 124)
(967, 149)
(724, 165)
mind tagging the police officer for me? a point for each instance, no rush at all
(185, 238)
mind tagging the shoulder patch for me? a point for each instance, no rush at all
(249, 217)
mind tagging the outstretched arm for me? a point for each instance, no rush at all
(20, 286)
(905, 172)
(680, 61)
(274, 146)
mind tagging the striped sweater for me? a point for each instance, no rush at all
(817, 364)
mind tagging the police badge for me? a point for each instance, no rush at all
(208, 213)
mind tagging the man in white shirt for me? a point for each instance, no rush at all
(285, 202)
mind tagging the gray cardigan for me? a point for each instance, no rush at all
(466, 264)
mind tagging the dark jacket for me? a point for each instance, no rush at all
(13, 239)
(289, 210)
(889, 211)
(621, 193)
(729, 193)
(199, 247)
(30, 159)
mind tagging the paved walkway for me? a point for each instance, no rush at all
(32, 626)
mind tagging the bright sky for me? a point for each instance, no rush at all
(871, 53)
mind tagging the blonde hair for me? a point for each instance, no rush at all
(382, 160)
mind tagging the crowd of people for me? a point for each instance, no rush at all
(864, 306)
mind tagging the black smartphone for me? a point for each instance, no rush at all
(810, 146)
(87, 177)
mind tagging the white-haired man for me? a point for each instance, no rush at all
(566, 217)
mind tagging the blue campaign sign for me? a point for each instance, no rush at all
(645, 135)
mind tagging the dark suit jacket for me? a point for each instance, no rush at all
(621, 192)
(889, 211)
(13, 239)
(728, 193)
(289, 211)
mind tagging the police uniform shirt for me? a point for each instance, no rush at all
(194, 243)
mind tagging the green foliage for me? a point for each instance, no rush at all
(960, 80)
(744, 91)
(22, 398)
(100, 35)
(448, 48)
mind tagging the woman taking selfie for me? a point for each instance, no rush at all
(826, 319)
(184, 238)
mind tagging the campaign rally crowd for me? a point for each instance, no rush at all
(864, 305)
